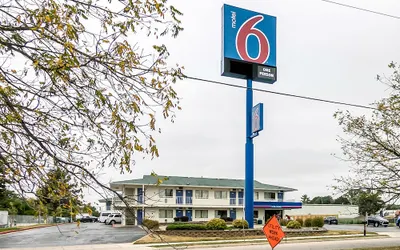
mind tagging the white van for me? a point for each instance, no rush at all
(103, 216)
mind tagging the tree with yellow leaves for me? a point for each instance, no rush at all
(78, 92)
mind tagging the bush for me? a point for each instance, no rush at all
(181, 219)
(300, 220)
(151, 224)
(293, 224)
(216, 224)
(239, 223)
(308, 222)
(284, 222)
(317, 222)
(185, 226)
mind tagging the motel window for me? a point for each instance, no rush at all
(220, 195)
(269, 196)
(167, 193)
(166, 213)
(256, 196)
(255, 214)
(201, 194)
(201, 214)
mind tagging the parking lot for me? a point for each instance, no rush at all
(69, 234)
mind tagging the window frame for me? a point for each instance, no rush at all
(165, 214)
(222, 196)
(202, 196)
(267, 196)
(201, 212)
(163, 193)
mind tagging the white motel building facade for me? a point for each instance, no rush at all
(200, 199)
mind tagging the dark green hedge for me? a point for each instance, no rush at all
(185, 226)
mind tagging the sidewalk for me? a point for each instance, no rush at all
(128, 246)
(125, 246)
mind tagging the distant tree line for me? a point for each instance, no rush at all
(367, 201)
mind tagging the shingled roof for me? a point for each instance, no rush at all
(199, 182)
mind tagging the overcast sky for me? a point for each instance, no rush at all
(323, 50)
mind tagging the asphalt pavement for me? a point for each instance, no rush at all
(70, 235)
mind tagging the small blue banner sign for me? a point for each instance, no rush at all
(257, 118)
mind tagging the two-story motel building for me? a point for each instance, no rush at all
(200, 199)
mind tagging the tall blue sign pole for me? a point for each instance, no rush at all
(249, 52)
(249, 158)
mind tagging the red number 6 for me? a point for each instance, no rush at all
(243, 34)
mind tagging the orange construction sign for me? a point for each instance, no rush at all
(274, 232)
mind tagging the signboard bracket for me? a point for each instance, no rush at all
(254, 135)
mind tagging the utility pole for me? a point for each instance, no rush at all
(365, 224)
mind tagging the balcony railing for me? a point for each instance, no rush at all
(189, 200)
(232, 201)
(240, 201)
(179, 199)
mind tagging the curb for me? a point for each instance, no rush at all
(29, 228)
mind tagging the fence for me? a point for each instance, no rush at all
(24, 220)
(303, 217)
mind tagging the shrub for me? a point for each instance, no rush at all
(185, 226)
(317, 222)
(239, 223)
(151, 224)
(181, 219)
(216, 224)
(284, 222)
(293, 224)
(300, 220)
(308, 222)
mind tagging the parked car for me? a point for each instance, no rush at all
(88, 219)
(114, 219)
(377, 221)
(62, 220)
(331, 220)
(103, 217)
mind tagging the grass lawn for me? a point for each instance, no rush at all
(8, 229)
(151, 238)
(23, 227)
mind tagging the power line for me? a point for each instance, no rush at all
(362, 9)
(283, 94)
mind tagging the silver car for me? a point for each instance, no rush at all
(113, 219)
